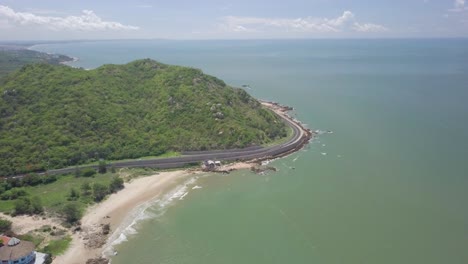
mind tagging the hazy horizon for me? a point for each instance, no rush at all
(219, 20)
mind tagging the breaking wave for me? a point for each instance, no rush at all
(141, 212)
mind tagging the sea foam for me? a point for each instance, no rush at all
(141, 212)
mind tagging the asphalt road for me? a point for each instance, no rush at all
(298, 139)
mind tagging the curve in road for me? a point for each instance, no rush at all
(300, 137)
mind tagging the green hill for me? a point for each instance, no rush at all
(53, 116)
(14, 57)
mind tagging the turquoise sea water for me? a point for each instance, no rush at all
(388, 186)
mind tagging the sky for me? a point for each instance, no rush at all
(239, 19)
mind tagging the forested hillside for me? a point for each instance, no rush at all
(13, 58)
(53, 116)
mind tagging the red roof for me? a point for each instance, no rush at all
(5, 240)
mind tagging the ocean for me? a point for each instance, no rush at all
(389, 185)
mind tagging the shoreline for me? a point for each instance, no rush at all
(118, 211)
(121, 211)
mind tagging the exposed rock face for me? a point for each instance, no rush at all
(100, 260)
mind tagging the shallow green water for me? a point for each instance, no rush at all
(390, 189)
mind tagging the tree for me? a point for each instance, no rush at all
(13, 194)
(5, 225)
(14, 182)
(22, 206)
(102, 168)
(99, 191)
(36, 206)
(25, 205)
(71, 212)
(116, 184)
(31, 180)
(49, 179)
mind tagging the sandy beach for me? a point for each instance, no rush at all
(22, 224)
(115, 209)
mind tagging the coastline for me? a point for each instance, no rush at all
(119, 209)
(67, 62)
(122, 209)
(116, 211)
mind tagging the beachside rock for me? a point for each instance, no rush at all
(94, 237)
(261, 170)
(106, 229)
(99, 260)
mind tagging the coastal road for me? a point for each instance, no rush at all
(298, 140)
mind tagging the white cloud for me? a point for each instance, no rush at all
(369, 27)
(343, 19)
(459, 6)
(346, 21)
(87, 21)
(240, 29)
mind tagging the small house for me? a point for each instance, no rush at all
(15, 251)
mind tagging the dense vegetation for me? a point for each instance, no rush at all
(63, 195)
(13, 58)
(54, 116)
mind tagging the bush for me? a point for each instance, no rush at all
(99, 191)
(74, 195)
(36, 206)
(25, 205)
(5, 225)
(86, 188)
(49, 179)
(22, 206)
(102, 168)
(88, 172)
(71, 212)
(14, 182)
(31, 180)
(116, 184)
(16, 193)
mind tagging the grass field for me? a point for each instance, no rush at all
(54, 195)
(57, 247)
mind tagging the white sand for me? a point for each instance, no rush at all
(115, 209)
(24, 223)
